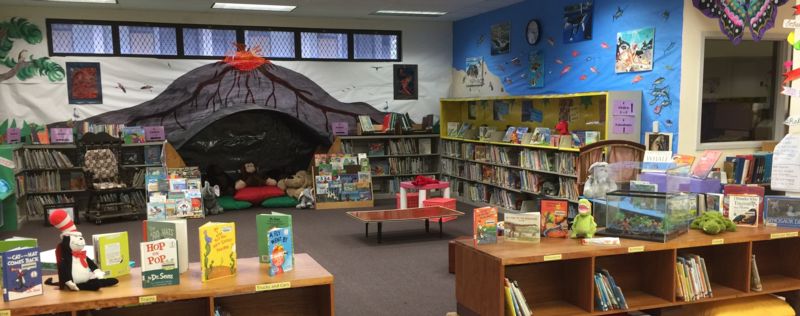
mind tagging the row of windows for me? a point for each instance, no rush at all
(67, 38)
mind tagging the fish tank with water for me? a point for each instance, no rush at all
(652, 216)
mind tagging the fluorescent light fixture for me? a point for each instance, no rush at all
(256, 7)
(86, 1)
(409, 13)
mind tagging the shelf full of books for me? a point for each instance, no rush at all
(395, 158)
(47, 177)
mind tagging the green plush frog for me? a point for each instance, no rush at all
(583, 225)
(713, 223)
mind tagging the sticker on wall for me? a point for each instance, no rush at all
(536, 73)
(735, 16)
(84, 84)
(578, 22)
(474, 69)
(635, 50)
(501, 38)
(405, 82)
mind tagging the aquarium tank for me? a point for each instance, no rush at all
(652, 216)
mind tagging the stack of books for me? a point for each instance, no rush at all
(516, 305)
(749, 169)
(692, 278)
(608, 296)
(41, 159)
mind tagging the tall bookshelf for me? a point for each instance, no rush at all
(395, 158)
(490, 171)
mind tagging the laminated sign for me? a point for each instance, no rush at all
(786, 164)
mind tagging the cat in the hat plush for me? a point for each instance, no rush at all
(75, 270)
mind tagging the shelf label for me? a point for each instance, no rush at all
(273, 286)
(718, 241)
(5, 312)
(777, 235)
(791, 234)
(552, 257)
(635, 249)
(148, 299)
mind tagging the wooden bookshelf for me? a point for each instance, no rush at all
(387, 184)
(556, 275)
(306, 290)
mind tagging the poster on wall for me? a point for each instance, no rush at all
(658, 141)
(501, 38)
(84, 84)
(474, 71)
(536, 74)
(635, 50)
(405, 82)
(578, 22)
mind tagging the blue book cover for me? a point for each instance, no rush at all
(281, 250)
(22, 273)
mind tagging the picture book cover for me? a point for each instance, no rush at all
(178, 184)
(170, 208)
(376, 149)
(554, 218)
(706, 162)
(379, 168)
(133, 135)
(280, 249)
(183, 207)
(522, 227)
(541, 136)
(217, 250)
(156, 211)
(731, 189)
(521, 131)
(160, 263)
(484, 225)
(175, 229)
(266, 222)
(112, 254)
(714, 202)
(510, 134)
(592, 137)
(152, 155)
(743, 209)
(23, 273)
(452, 129)
(154, 133)
(782, 211)
(681, 159)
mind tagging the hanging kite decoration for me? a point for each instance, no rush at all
(737, 15)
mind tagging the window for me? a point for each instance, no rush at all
(208, 42)
(375, 46)
(324, 45)
(81, 39)
(147, 40)
(273, 44)
(741, 96)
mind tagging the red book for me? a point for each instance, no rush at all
(736, 189)
(705, 163)
(554, 218)
(747, 174)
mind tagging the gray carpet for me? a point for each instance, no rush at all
(405, 275)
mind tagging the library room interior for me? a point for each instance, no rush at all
(417, 157)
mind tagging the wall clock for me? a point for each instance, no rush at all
(532, 32)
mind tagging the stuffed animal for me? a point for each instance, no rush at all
(712, 223)
(306, 199)
(249, 177)
(76, 271)
(599, 181)
(210, 195)
(584, 224)
(218, 177)
(562, 128)
(295, 184)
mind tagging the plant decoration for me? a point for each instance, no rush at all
(713, 223)
(206, 263)
(23, 69)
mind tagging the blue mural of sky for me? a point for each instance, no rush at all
(587, 65)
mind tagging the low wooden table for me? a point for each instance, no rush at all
(426, 213)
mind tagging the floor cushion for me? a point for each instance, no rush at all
(281, 201)
(257, 194)
(228, 203)
(756, 305)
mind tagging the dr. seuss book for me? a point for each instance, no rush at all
(554, 218)
(112, 254)
(22, 273)
(484, 225)
(175, 229)
(782, 211)
(217, 250)
(160, 263)
(266, 222)
(522, 227)
(281, 250)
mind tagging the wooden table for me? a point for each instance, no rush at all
(426, 213)
(309, 288)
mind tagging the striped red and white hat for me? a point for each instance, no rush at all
(61, 220)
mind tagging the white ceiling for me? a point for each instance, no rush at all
(457, 9)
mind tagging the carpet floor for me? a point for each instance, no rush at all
(405, 275)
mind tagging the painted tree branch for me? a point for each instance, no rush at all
(21, 63)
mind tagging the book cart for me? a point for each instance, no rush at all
(556, 275)
(307, 290)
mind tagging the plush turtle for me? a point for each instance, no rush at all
(713, 223)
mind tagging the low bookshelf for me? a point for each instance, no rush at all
(556, 275)
(307, 290)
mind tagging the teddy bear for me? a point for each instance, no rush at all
(295, 184)
(249, 177)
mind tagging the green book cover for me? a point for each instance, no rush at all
(112, 253)
(175, 229)
(160, 263)
(266, 222)
(16, 242)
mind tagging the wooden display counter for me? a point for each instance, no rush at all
(556, 275)
(307, 290)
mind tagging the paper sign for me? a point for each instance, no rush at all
(340, 128)
(792, 121)
(792, 92)
(148, 299)
(622, 107)
(791, 24)
(657, 161)
(8, 163)
(635, 249)
(718, 241)
(61, 135)
(552, 257)
(622, 125)
(786, 164)
(13, 135)
(154, 133)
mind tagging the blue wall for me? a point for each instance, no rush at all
(468, 34)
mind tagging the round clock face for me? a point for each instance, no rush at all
(533, 32)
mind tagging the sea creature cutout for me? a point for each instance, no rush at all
(588, 58)
(665, 15)
(516, 62)
(575, 53)
(593, 69)
(737, 15)
(604, 45)
(669, 47)
(559, 61)
(481, 39)
(668, 123)
(582, 77)
(637, 79)
(659, 81)
(669, 67)
(618, 15)
(566, 69)
(507, 80)
(551, 41)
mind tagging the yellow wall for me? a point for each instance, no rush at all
(695, 25)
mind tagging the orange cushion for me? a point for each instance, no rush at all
(257, 194)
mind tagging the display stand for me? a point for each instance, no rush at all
(306, 290)
(556, 275)
(342, 181)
